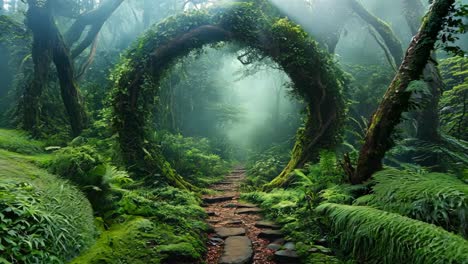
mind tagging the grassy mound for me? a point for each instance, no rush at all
(43, 219)
(375, 236)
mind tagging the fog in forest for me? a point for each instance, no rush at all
(233, 131)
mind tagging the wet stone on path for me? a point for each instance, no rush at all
(224, 232)
(237, 250)
(249, 211)
(217, 199)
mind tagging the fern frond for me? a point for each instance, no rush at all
(435, 198)
(375, 236)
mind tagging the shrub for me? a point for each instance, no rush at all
(81, 165)
(265, 166)
(375, 236)
(435, 198)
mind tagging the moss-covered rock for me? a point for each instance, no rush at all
(151, 226)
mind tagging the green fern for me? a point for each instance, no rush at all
(375, 236)
(436, 198)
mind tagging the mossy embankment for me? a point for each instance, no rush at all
(70, 204)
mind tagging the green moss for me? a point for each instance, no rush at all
(128, 242)
(151, 226)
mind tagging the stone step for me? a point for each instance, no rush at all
(254, 210)
(228, 182)
(217, 199)
(286, 257)
(224, 232)
(246, 205)
(270, 234)
(237, 250)
(267, 224)
(234, 176)
(233, 222)
(211, 213)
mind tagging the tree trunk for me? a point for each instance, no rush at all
(48, 45)
(428, 120)
(68, 87)
(396, 100)
(38, 20)
(95, 19)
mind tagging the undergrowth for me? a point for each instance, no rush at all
(19, 142)
(193, 158)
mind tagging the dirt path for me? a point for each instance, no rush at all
(239, 236)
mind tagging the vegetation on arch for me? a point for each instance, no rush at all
(315, 78)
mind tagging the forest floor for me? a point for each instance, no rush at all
(239, 234)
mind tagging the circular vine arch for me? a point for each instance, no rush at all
(315, 77)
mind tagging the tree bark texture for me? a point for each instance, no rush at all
(395, 102)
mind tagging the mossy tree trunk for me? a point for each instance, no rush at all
(428, 120)
(396, 100)
(49, 46)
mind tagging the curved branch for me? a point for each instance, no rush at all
(384, 30)
(94, 18)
